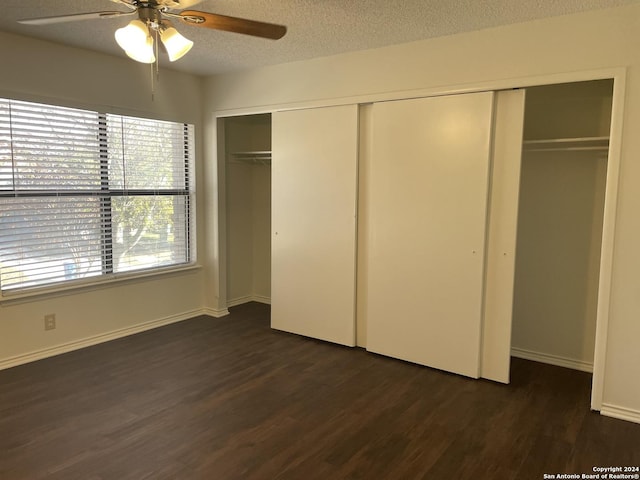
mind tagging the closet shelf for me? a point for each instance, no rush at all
(567, 144)
(259, 157)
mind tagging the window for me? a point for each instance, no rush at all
(87, 194)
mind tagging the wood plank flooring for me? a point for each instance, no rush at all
(229, 398)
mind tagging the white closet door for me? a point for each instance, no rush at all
(501, 235)
(314, 171)
(428, 213)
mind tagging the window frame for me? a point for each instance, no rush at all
(105, 195)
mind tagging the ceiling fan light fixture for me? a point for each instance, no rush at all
(136, 41)
(142, 53)
(177, 45)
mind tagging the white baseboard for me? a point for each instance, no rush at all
(552, 359)
(262, 299)
(620, 413)
(239, 301)
(96, 339)
(213, 312)
(248, 298)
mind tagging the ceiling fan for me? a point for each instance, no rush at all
(154, 19)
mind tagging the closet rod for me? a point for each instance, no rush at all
(262, 157)
(567, 149)
(567, 140)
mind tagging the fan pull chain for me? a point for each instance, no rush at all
(153, 86)
(157, 62)
(155, 76)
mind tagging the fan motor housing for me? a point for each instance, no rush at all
(149, 14)
(157, 3)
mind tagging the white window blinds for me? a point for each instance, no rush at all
(84, 194)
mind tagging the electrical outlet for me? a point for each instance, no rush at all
(50, 321)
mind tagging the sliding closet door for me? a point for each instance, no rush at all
(428, 213)
(501, 236)
(314, 167)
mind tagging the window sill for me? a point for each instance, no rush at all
(82, 286)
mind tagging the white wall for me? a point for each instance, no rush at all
(558, 255)
(248, 233)
(568, 110)
(40, 71)
(492, 57)
(261, 233)
(248, 219)
(239, 180)
(560, 225)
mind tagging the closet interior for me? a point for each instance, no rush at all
(247, 145)
(560, 215)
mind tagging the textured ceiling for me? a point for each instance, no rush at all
(315, 27)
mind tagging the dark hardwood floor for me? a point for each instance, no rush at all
(229, 398)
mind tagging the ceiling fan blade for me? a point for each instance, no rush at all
(188, 3)
(72, 18)
(233, 24)
(127, 3)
